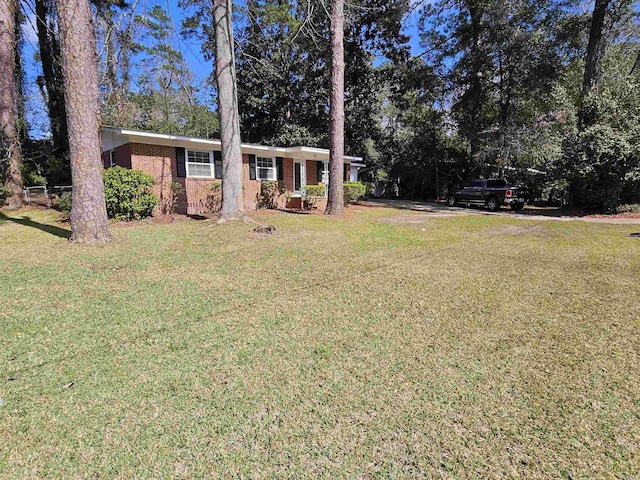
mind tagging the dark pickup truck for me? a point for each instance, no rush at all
(491, 194)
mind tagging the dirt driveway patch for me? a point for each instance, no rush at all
(440, 210)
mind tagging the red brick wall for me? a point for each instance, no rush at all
(251, 188)
(196, 192)
(123, 156)
(287, 167)
(159, 162)
(312, 172)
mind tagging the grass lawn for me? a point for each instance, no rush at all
(381, 345)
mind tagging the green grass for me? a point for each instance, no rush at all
(466, 347)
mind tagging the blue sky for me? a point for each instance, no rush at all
(36, 112)
(199, 67)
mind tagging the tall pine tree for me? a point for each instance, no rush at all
(9, 140)
(89, 222)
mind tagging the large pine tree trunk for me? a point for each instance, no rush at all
(9, 140)
(595, 51)
(232, 204)
(335, 198)
(89, 223)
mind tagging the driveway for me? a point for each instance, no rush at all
(442, 210)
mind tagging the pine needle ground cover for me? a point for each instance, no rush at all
(465, 347)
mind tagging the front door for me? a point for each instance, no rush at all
(299, 177)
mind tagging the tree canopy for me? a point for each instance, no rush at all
(435, 92)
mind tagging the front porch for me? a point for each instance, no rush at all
(314, 172)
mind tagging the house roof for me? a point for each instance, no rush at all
(113, 137)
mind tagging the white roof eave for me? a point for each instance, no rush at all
(178, 140)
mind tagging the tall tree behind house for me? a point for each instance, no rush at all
(51, 82)
(146, 82)
(19, 74)
(114, 22)
(595, 52)
(500, 61)
(284, 76)
(89, 222)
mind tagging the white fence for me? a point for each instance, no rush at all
(42, 195)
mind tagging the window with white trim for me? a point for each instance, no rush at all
(112, 159)
(266, 168)
(200, 164)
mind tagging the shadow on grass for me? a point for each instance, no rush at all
(27, 222)
(294, 212)
(197, 217)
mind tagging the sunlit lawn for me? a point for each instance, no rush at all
(466, 347)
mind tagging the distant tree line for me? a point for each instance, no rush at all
(499, 88)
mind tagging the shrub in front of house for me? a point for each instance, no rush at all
(628, 208)
(353, 191)
(369, 189)
(270, 192)
(312, 194)
(33, 179)
(214, 198)
(64, 203)
(128, 194)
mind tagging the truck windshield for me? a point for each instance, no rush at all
(496, 183)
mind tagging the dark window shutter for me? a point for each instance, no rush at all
(280, 167)
(252, 167)
(180, 162)
(346, 172)
(319, 168)
(217, 164)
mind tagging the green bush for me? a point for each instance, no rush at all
(64, 203)
(629, 208)
(270, 191)
(353, 191)
(33, 179)
(214, 199)
(128, 193)
(369, 189)
(311, 194)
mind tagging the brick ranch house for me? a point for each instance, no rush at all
(197, 162)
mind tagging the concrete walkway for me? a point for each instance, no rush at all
(442, 210)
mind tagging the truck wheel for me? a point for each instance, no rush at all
(493, 204)
(451, 201)
(517, 206)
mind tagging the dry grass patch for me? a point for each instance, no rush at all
(414, 219)
(335, 348)
(517, 230)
